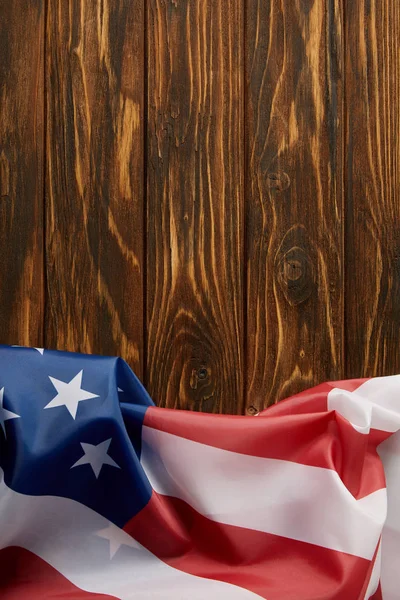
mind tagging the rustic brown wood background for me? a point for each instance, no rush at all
(208, 188)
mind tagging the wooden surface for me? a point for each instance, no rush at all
(373, 188)
(94, 178)
(294, 197)
(21, 172)
(220, 186)
(195, 204)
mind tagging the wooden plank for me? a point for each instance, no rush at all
(373, 188)
(21, 172)
(195, 204)
(294, 122)
(95, 97)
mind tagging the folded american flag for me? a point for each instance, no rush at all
(104, 495)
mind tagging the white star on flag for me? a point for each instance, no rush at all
(70, 394)
(5, 415)
(96, 457)
(117, 538)
(119, 389)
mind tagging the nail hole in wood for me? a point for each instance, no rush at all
(202, 373)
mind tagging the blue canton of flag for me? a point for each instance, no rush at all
(62, 416)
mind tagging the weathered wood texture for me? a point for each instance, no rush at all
(220, 185)
(294, 197)
(94, 177)
(195, 204)
(373, 188)
(21, 172)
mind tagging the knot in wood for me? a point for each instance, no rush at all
(296, 275)
(278, 181)
(293, 269)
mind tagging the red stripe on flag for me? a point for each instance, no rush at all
(306, 439)
(24, 575)
(271, 566)
(306, 413)
(319, 439)
(313, 400)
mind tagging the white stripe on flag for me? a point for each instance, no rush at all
(73, 539)
(389, 451)
(301, 502)
(375, 404)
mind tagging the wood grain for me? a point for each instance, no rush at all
(373, 188)
(222, 190)
(294, 192)
(21, 172)
(195, 204)
(94, 186)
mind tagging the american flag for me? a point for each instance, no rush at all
(104, 495)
